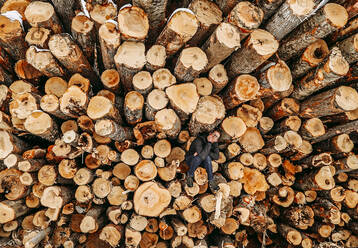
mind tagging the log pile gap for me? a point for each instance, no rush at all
(100, 101)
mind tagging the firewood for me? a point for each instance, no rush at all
(133, 107)
(335, 68)
(156, 16)
(246, 16)
(156, 57)
(180, 28)
(102, 11)
(12, 37)
(38, 37)
(44, 61)
(223, 41)
(163, 78)
(109, 39)
(142, 82)
(339, 100)
(209, 16)
(133, 23)
(42, 14)
(258, 47)
(209, 113)
(313, 55)
(83, 31)
(70, 55)
(129, 60)
(191, 62)
(325, 20)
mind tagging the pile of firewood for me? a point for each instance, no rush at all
(100, 100)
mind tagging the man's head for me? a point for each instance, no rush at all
(213, 136)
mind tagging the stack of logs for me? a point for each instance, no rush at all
(100, 100)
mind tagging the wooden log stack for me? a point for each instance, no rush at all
(100, 100)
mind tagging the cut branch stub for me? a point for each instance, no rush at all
(150, 199)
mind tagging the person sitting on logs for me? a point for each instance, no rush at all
(202, 151)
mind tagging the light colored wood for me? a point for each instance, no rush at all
(133, 23)
(156, 57)
(180, 28)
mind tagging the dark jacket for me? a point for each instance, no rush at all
(204, 148)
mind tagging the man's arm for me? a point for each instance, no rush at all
(206, 151)
(214, 152)
(195, 147)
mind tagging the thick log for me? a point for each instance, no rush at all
(129, 60)
(209, 17)
(269, 7)
(12, 37)
(156, 11)
(133, 23)
(328, 19)
(330, 102)
(168, 122)
(242, 89)
(150, 199)
(191, 62)
(102, 11)
(320, 179)
(209, 113)
(66, 11)
(183, 98)
(70, 55)
(223, 41)
(44, 61)
(313, 55)
(42, 125)
(180, 28)
(246, 16)
(289, 16)
(333, 69)
(43, 15)
(258, 47)
(232, 128)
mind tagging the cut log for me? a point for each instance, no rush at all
(243, 88)
(101, 107)
(133, 23)
(269, 7)
(145, 170)
(348, 49)
(142, 82)
(156, 57)
(42, 125)
(83, 31)
(44, 61)
(12, 37)
(313, 55)
(327, 19)
(321, 179)
(209, 17)
(163, 78)
(232, 128)
(330, 102)
(156, 100)
(289, 16)
(129, 60)
(183, 98)
(109, 39)
(191, 62)
(284, 108)
(259, 46)
(168, 122)
(312, 128)
(290, 234)
(55, 86)
(180, 28)
(10, 144)
(133, 107)
(209, 113)
(218, 77)
(334, 68)
(246, 16)
(223, 41)
(71, 56)
(277, 78)
(43, 15)
(250, 115)
(150, 199)
(38, 37)
(11, 210)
